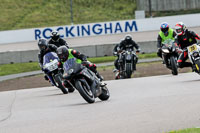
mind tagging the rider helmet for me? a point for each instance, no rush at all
(62, 53)
(55, 35)
(180, 28)
(164, 28)
(128, 38)
(42, 44)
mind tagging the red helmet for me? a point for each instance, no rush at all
(180, 28)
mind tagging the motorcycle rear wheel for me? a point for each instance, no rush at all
(105, 94)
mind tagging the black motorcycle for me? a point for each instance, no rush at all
(127, 63)
(170, 55)
(85, 81)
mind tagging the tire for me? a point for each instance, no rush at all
(105, 94)
(173, 66)
(85, 91)
(197, 65)
(71, 89)
(128, 70)
(59, 84)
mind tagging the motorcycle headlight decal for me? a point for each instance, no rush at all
(165, 50)
(70, 71)
(195, 54)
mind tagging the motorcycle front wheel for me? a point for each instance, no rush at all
(173, 66)
(128, 70)
(197, 65)
(85, 90)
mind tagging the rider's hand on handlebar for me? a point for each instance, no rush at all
(115, 53)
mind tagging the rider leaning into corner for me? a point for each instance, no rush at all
(44, 48)
(164, 34)
(184, 39)
(127, 42)
(66, 54)
(57, 40)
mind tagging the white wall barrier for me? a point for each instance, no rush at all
(90, 51)
(94, 29)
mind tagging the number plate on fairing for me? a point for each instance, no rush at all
(192, 48)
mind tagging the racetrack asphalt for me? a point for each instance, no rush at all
(140, 105)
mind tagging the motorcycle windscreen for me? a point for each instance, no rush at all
(49, 57)
(69, 64)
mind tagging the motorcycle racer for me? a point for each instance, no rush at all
(56, 40)
(44, 48)
(184, 39)
(66, 54)
(165, 33)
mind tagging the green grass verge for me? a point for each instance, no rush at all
(20, 14)
(112, 58)
(189, 130)
(17, 14)
(7, 69)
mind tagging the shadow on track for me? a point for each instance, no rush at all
(81, 104)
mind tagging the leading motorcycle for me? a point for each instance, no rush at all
(85, 81)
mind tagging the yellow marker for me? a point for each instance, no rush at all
(197, 67)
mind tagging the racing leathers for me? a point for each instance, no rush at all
(50, 48)
(161, 38)
(82, 59)
(183, 41)
(59, 42)
(115, 52)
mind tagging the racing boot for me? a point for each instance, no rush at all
(99, 76)
(102, 84)
(46, 77)
(115, 70)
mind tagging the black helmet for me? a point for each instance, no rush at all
(42, 44)
(128, 38)
(62, 53)
(55, 35)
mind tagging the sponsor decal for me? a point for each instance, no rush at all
(88, 29)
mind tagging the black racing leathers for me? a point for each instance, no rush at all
(183, 41)
(115, 52)
(159, 44)
(50, 48)
(78, 55)
(89, 65)
(129, 44)
(59, 42)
